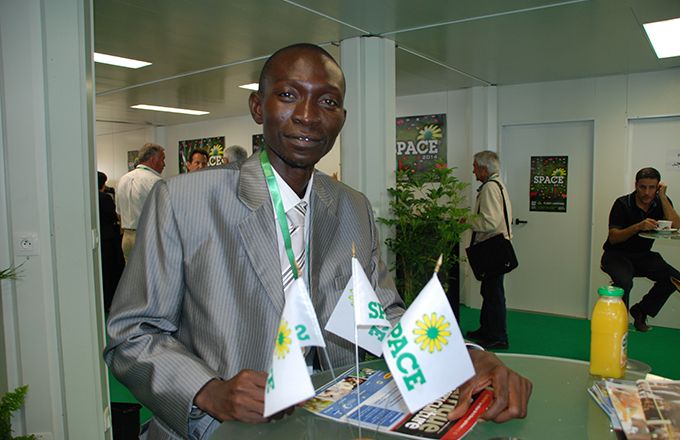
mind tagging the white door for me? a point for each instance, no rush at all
(553, 248)
(655, 142)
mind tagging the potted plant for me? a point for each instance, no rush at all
(428, 218)
(14, 400)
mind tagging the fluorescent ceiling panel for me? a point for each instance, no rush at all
(665, 37)
(119, 61)
(251, 86)
(158, 108)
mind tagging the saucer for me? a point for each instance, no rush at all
(666, 231)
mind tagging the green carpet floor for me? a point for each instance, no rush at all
(535, 333)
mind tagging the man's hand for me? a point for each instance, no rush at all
(647, 224)
(511, 391)
(239, 398)
(661, 190)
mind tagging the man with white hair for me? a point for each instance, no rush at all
(235, 153)
(491, 221)
(133, 189)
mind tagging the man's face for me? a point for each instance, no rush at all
(157, 162)
(300, 108)
(645, 190)
(197, 162)
(480, 172)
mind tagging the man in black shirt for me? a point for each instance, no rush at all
(627, 255)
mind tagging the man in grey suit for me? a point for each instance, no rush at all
(192, 326)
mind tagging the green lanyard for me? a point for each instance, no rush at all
(278, 206)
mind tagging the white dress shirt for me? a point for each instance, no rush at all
(289, 199)
(133, 189)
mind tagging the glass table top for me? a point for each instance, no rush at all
(560, 408)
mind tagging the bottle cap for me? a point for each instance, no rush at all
(610, 291)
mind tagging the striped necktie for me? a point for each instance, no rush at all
(296, 225)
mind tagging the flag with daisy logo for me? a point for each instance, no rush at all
(288, 381)
(359, 304)
(425, 351)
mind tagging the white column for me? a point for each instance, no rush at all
(52, 317)
(367, 156)
(483, 136)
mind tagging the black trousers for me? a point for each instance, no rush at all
(492, 319)
(623, 267)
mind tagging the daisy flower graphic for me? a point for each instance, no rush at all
(432, 332)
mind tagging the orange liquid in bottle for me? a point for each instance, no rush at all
(609, 334)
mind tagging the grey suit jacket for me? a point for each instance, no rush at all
(202, 294)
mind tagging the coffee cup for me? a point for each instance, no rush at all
(663, 225)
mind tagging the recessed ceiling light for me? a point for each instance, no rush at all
(119, 61)
(251, 86)
(665, 37)
(158, 108)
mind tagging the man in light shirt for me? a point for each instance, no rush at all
(133, 189)
(491, 221)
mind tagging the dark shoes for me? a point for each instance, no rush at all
(676, 283)
(495, 345)
(640, 318)
(475, 335)
(479, 337)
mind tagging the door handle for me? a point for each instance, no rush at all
(520, 222)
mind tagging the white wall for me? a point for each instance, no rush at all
(610, 102)
(112, 148)
(52, 317)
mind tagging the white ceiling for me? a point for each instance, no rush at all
(202, 50)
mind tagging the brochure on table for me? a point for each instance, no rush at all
(380, 407)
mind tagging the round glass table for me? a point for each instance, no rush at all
(560, 408)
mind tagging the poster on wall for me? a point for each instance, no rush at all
(673, 160)
(214, 146)
(548, 185)
(132, 159)
(421, 141)
(258, 143)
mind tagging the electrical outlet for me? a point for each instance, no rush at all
(26, 243)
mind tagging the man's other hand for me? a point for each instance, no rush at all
(239, 398)
(661, 190)
(647, 224)
(511, 391)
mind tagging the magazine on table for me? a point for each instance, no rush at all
(626, 402)
(598, 391)
(661, 405)
(380, 407)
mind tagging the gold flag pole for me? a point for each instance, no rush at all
(438, 266)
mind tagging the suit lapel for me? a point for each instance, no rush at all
(257, 230)
(324, 224)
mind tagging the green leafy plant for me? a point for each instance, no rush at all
(428, 220)
(11, 402)
(11, 273)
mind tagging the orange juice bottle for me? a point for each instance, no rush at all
(609, 334)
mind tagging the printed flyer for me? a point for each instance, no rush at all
(548, 185)
(380, 407)
(421, 142)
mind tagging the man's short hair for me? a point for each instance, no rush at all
(101, 179)
(148, 151)
(235, 153)
(648, 173)
(267, 64)
(489, 160)
(198, 151)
